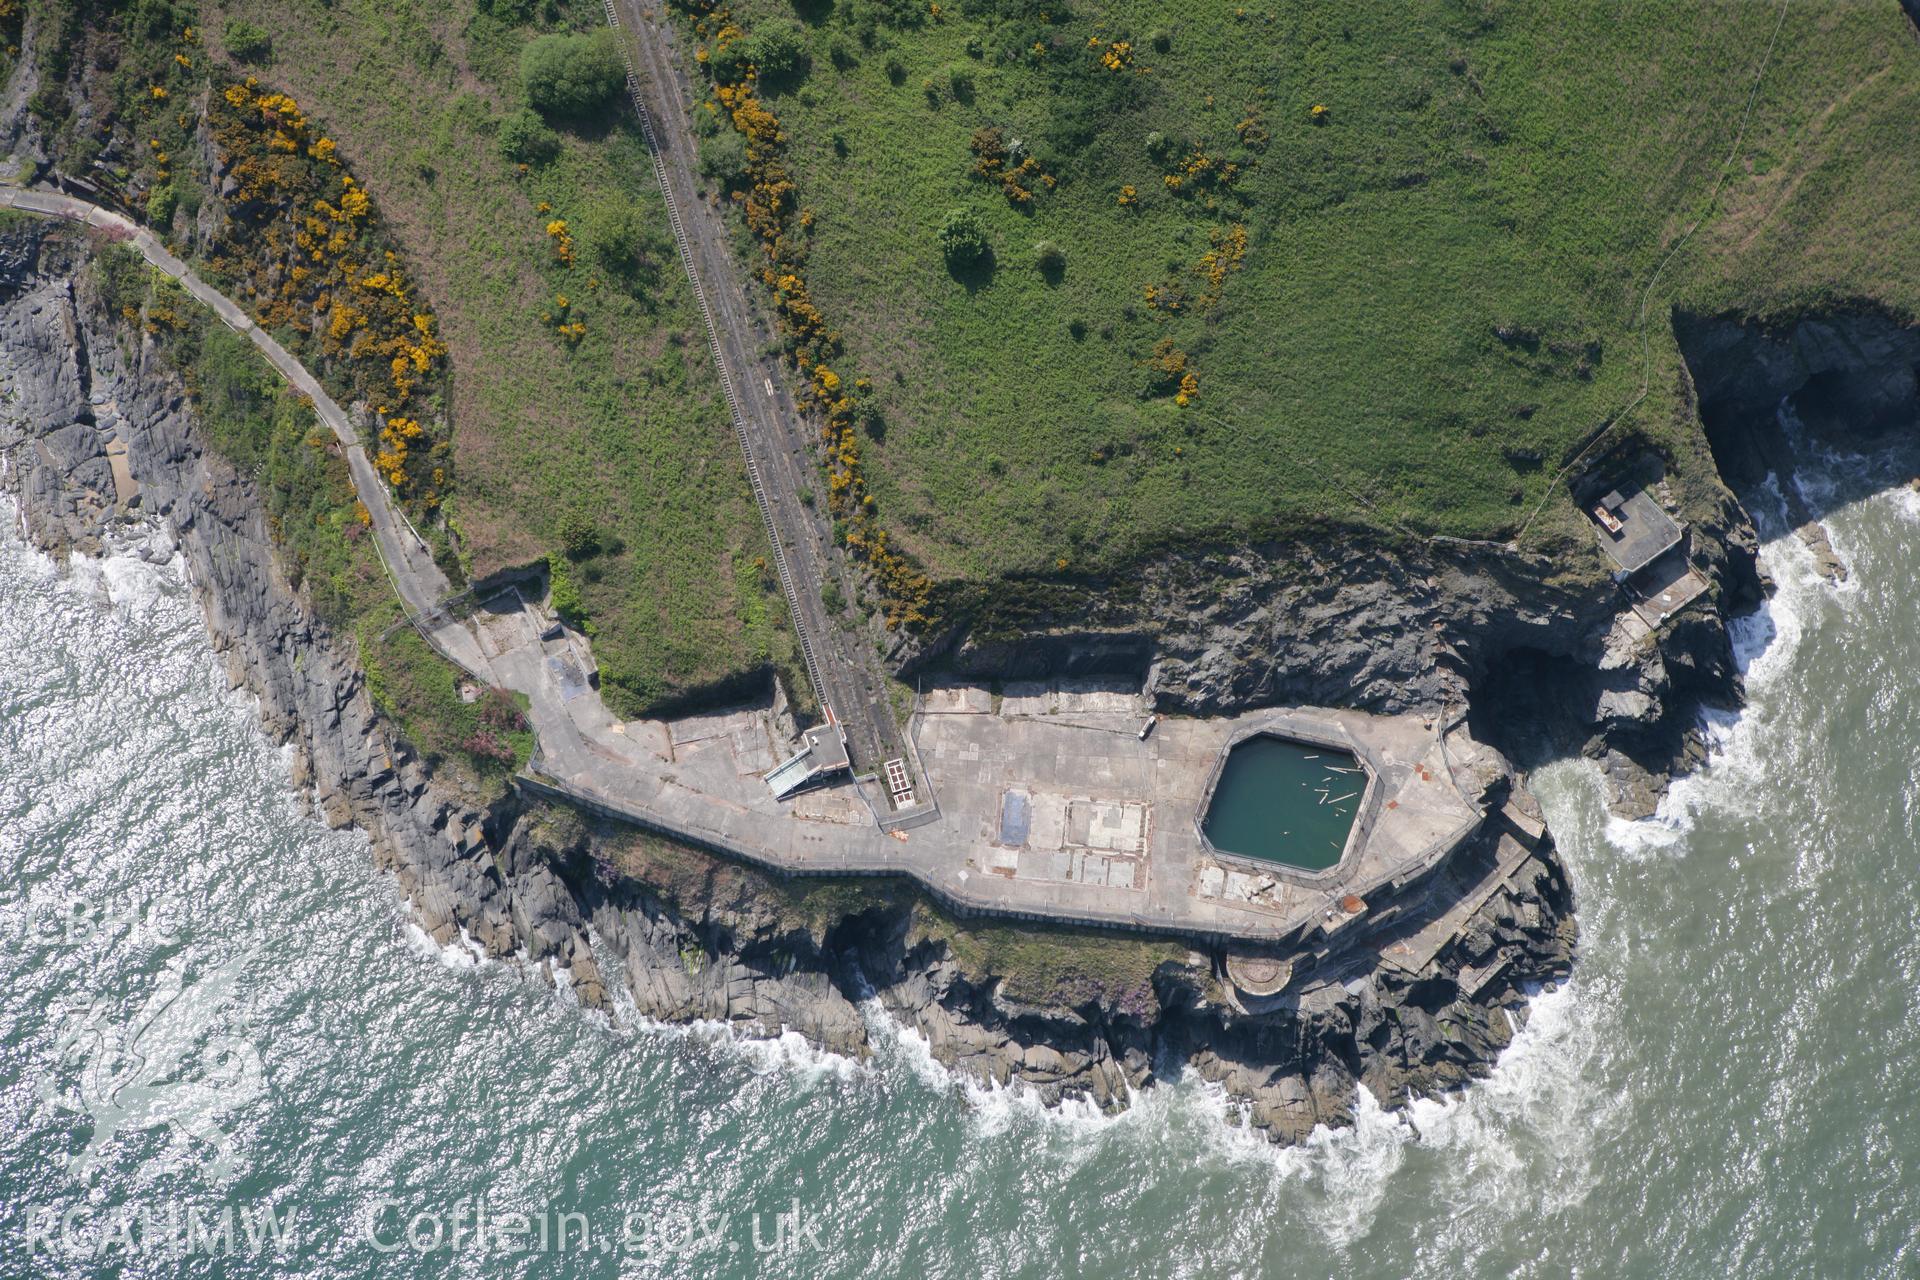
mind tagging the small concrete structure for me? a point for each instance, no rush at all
(1258, 975)
(1665, 587)
(1634, 529)
(825, 753)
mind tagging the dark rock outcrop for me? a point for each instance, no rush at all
(693, 936)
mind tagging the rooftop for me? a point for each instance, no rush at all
(1634, 529)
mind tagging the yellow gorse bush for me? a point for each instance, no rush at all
(773, 215)
(310, 253)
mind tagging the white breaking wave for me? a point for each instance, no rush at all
(1765, 643)
(462, 954)
(789, 1053)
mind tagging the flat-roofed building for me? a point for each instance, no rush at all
(1634, 529)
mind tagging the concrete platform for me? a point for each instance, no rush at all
(1665, 587)
(1049, 805)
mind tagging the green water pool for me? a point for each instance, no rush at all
(1287, 802)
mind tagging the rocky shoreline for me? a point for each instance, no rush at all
(699, 937)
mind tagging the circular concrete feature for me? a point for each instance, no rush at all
(1256, 975)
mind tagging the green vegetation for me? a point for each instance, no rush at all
(571, 76)
(1343, 267)
(776, 50)
(532, 256)
(444, 716)
(625, 243)
(269, 432)
(1049, 967)
(526, 139)
(963, 240)
(580, 386)
(246, 41)
(580, 380)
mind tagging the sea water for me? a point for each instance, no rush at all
(225, 1049)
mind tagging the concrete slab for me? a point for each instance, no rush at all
(1645, 531)
(838, 805)
(1016, 819)
(1113, 826)
(956, 700)
(1026, 698)
(1668, 594)
(126, 491)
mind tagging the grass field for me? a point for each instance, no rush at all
(573, 416)
(620, 429)
(1440, 275)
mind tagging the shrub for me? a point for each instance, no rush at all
(896, 71)
(1049, 259)
(247, 41)
(723, 158)
(963, 239)
(526, 139)
(578, 536)
(161, 202)
(777, 51)
(563, 595)
(513, 12)
(621, 240)
(570, 76)
(960, 82)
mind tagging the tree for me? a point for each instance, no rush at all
(247, 41)
(513, 13)
(723, 158)
(963, 239)
(777, 51)
(161, 202)
(526, 139)
(571, 75)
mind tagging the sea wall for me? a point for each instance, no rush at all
(692, 936)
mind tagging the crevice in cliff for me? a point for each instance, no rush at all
(1850, 378)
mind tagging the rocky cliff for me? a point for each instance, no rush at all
(1529, 644)
(693, 936)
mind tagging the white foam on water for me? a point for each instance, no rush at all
(903, 1048)
(1537, 1098)
(1486, 1141)
(1765, 643)
(996, 1108)
(461, 954)
(788, 1053)
(1904, 502)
